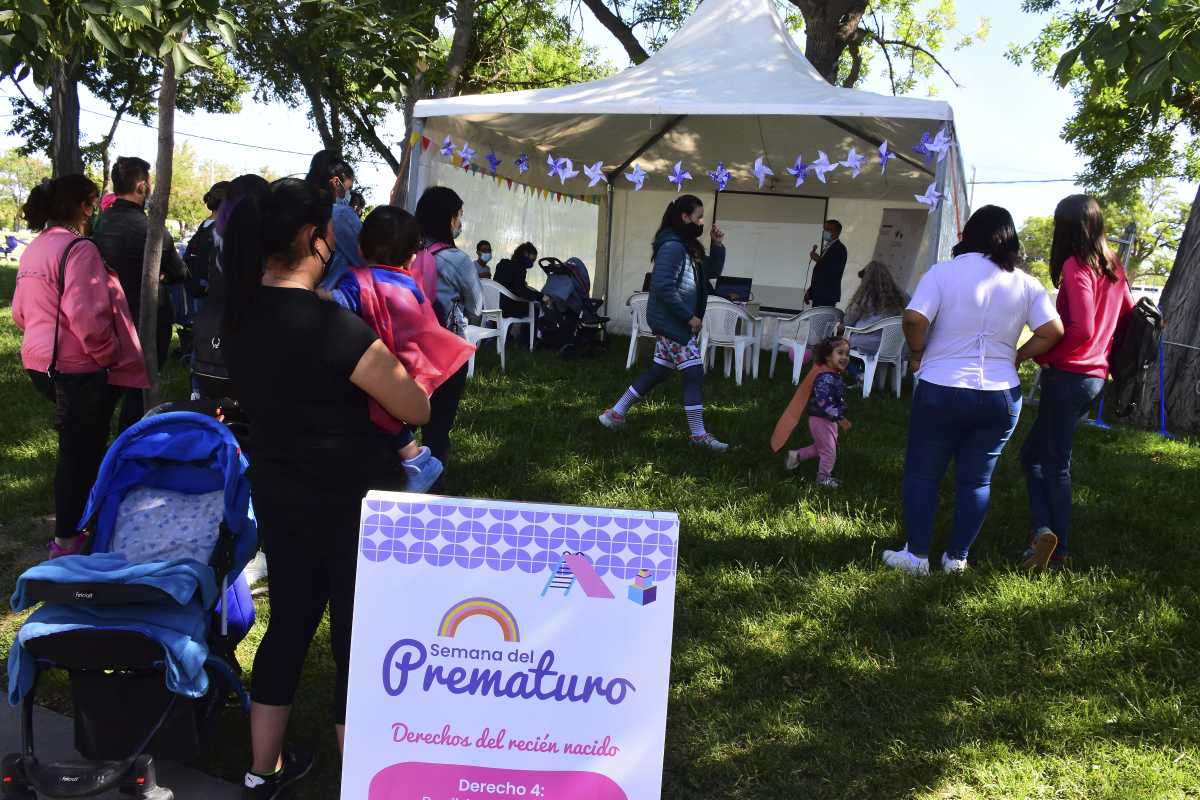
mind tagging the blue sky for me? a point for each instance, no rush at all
(1008, 118)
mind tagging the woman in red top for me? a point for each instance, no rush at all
(1094, 303)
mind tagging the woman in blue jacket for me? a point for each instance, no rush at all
(678, 297)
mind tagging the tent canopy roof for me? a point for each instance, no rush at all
(730, 85)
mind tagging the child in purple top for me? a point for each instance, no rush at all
(826, 411)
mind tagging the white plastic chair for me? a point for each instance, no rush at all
(823, 322)
(792, 335)
(891, 351)
(638, 328)
(492, 292)
(477, 334)
(721, 321)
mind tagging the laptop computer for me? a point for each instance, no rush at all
(736, 290)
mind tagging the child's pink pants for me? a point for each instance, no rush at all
(824, 446)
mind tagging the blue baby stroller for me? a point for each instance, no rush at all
(570, 322)
(145, 624)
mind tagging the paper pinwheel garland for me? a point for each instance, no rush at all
(854, 162)
(821, 166)
(885, 155)
(448, 147)
(720, 176)
(595, 173)
(561, 168)
(522, 163)
(931, 198)
(678, 176)
(637, 177)
(799, 170)
(762, 171)
(466, 153)
(493, 162)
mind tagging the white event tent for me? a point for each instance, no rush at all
(730, 86)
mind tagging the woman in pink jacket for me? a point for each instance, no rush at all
(79, 341)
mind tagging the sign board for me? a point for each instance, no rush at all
(508, 650)
(900, 240)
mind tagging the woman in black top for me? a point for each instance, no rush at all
(304, 369)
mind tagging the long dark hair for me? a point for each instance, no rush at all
(261, 223)
(58, 200)
(992, 232)
(437, 206)
(1079, 233)
(390, 235)
(673, 221)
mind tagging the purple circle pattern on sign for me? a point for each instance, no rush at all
(508, 539)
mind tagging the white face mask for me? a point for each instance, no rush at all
(485, 258)
(826, 237)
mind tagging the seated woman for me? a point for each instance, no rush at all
(877, 297)
(512, 274)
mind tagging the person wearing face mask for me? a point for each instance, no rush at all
(483, 255)
(121, 236)
(459, 302)
(826, 287)
(328, 172)
(78, 342)
(305, 370)
(513, 274)
(679, 288)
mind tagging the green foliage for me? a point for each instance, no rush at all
(1036, 235)
(190, 180)
(18, 175)
(1134, 70)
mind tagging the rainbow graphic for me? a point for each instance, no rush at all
(480, 606)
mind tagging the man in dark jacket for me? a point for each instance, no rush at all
(826, 288)
(512, 274)
(121, 237)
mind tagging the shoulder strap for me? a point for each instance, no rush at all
(52, 370)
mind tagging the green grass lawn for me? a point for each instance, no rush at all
(802, 669)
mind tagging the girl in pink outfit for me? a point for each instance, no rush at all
(826, 406)
(78, 342)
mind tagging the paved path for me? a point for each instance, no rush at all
(53, 739)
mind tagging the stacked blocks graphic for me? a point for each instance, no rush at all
(643, 591)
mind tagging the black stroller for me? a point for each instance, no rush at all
(570, 322)
(144, 625)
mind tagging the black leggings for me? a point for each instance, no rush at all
(83, 410)
(693, 382)
(443, 408)
(310, 536)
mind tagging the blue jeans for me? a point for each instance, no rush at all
(970, 427)
(1046, 454)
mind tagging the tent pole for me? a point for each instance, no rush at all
(876, 142)
(612, 195)
(414, 167)
(653, 140)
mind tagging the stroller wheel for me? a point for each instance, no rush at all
(14, 786)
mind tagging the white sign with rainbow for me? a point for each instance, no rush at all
(509, 650)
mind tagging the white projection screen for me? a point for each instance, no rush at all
(768, 239)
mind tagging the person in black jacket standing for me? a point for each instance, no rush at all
(826, 287)
(121, 237)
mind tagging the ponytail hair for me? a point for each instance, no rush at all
(259, 221)
(57, 200)
(673, 221)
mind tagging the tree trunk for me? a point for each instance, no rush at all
(1181, 358)
(152, 256)
(464, 30)
(367, 133)
(318, 109)
(66, 157)
(829, 26)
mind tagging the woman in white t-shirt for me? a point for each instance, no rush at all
(962, 327)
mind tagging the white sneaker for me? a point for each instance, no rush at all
(710, 442)
(792, 461)
(906, 562)
(612, 420)
(953, 564)
(829, 483)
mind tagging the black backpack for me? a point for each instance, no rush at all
(1133, 355)
(199, 256)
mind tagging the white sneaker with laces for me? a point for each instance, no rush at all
(709, 442)
(829, 483)
(791, 462)
(953, 564)
(612, 420)
(906, 562)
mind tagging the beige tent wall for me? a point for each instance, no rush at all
(636, 216)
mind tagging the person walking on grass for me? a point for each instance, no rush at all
(962, 327)
(679, 288)
(78, 341)
(823, 395)
(1095, 303)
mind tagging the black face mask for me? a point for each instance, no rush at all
(693, 230)
(324, 260)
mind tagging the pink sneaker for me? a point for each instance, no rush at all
(73, 548)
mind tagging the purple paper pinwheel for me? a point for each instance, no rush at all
(854, 162)
(762, 171)
(885, 155)
(931, 198)
(448, 147)
(822, 166)
(595, 173)
(922, 147)
(522, 163)
(799, 170)
(678, 176)
(720, 176)
(637, 177)
(493, 162)
(566, 170)
(941, 144)
(466, 153)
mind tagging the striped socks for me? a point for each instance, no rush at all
(695, 418)
(628, 399)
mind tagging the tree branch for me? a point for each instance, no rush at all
(617, 27)
(367, 133)
(915, 48)
(464, 30)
